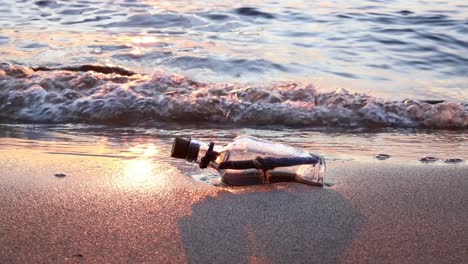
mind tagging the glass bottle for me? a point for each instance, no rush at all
(248, 160)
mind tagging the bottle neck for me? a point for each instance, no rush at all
(196, 150)
(199, 149)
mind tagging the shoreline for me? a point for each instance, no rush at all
(103, 211)
(403, 146)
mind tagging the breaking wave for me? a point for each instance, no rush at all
(105, 95)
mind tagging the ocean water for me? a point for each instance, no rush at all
(345, 78)
(394, 49)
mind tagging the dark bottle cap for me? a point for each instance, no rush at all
(184, 149)
(180, 148)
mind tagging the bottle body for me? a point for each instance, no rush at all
(274, 162)
(249, 160)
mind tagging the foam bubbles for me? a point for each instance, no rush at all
(60, 96)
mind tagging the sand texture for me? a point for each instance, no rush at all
(102, 210)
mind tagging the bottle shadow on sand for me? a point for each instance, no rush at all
(277, 225)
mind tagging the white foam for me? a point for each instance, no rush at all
(90, 97)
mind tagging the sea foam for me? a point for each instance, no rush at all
(68, 96)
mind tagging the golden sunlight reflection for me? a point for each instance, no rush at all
(183, 6)
(143, 172)
(144, 150)
(138, 171)
(136, 52)
(141, 40)
(144, 39)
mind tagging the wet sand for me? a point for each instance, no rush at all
(117, 210)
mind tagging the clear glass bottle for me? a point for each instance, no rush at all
(248, 160)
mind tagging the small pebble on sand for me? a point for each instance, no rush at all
(453, 160)
(382, 156)
(428, 159)
(60, 175)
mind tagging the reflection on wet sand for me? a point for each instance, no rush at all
(143, 172)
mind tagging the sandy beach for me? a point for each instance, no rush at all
(102, 210)
(94, 93)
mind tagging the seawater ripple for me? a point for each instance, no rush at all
(63, 96)
(419, 47)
